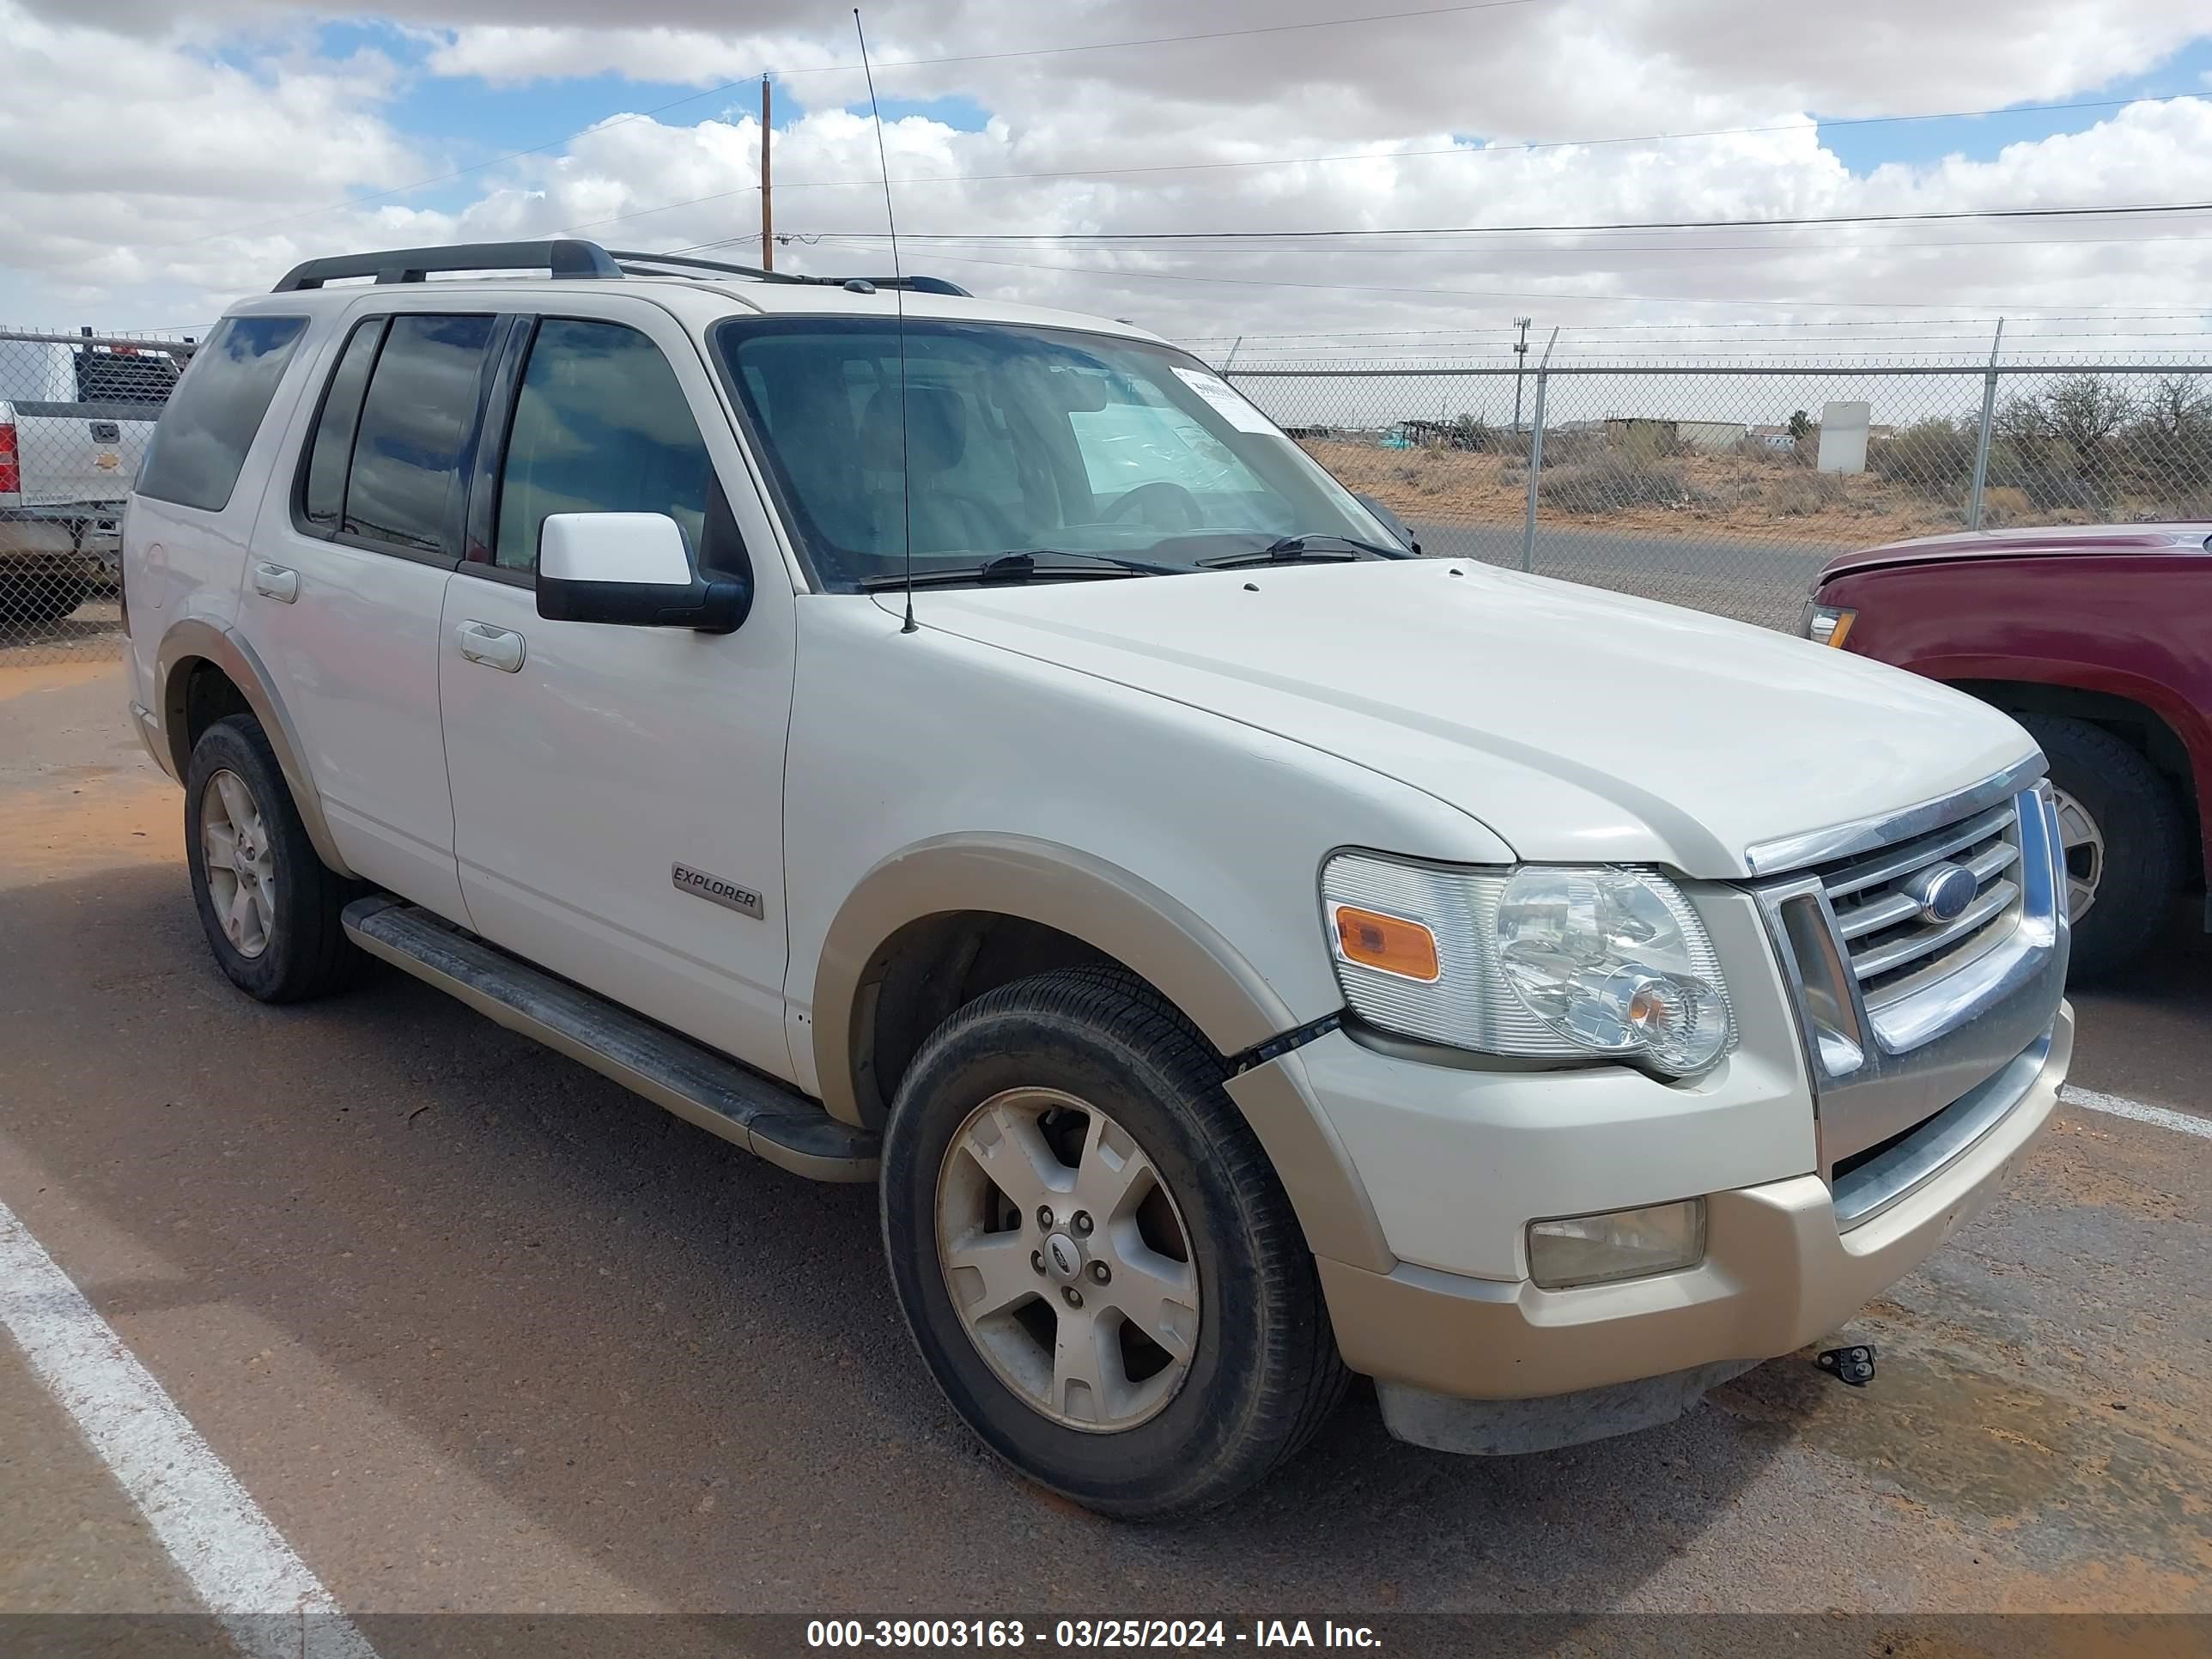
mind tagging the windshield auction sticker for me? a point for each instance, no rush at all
(1232, 404)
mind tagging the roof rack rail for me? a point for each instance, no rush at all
(626, 259)
(630, 261)
(562, 258)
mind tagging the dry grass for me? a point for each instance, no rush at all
(1693, 496)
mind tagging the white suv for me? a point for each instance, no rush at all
(969, 749)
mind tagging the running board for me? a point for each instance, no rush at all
(765, 1117)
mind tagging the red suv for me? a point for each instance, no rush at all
(2098, 639)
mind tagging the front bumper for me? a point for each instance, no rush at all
(1778, 1272)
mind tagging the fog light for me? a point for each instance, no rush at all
(1593, 1249)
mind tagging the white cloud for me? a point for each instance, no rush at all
(119, 200)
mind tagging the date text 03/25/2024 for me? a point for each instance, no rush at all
(1085, 1633)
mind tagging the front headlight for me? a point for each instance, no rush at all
(1826, 624)
(1542, 961)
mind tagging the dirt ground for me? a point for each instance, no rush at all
(481, 1333)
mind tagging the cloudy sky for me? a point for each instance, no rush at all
(175, 154)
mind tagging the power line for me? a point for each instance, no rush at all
(1487, 151)
(1096, 240)
(1553, 295)
(1637, 328)
(1609, 248)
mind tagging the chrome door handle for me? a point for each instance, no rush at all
(495, 648)
(274, 582)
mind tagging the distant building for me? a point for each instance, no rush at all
(1622, 430)
(1662, 434)
(1710, 435)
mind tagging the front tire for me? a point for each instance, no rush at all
(1095, 1259)
(2121, 831)
(269, 905)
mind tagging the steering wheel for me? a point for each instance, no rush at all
(1162, 493)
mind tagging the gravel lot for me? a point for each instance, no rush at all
(477, 1331)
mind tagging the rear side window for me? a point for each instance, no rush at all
(416, 425)
(601, 425)
(329, 452)
(200, 444)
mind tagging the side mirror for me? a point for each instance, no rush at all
(630, 569)
(1391, 522)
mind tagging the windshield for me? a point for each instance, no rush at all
(1016, 440)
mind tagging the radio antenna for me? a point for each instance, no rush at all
(898, 299)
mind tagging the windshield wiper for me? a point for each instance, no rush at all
(1288, 549)
(1021, 567)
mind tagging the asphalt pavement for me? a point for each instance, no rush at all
(476, 1331)
(1752, 579)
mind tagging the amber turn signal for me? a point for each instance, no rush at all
(1391, 943)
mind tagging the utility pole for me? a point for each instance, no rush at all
(768, 213)
(1520, 362)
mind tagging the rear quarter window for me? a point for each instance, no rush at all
(200, 442)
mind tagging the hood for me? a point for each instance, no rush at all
(1574, 723)
(2079, 541)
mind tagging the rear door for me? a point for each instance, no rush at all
(347, 579)
(591, 763)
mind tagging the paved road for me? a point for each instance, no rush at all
(477, 1331)
(1760, 582)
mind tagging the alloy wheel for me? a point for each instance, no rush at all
(2083, 844)
(1068, 1261)
(241, 871)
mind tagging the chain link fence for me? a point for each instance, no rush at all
(1726, 487)
(77, 411)
(1713, 483)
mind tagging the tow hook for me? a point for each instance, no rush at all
(1854, 1365)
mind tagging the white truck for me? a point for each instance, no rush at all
(76, 411)
(968, 749)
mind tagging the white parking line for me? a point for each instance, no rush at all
(237, 1563)
(2117, 1106)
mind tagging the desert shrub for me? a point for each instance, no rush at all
(1799, 491)
(1935, 456)
(1612, 482)
(1570, 448)
(2005, 504)
(2048, 474)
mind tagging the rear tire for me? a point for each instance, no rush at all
(268, 903)
(1080, 1072)
(2123, 834)
(29, 602)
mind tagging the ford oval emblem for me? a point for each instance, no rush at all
(1943, 891)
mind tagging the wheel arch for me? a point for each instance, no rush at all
(203, 672)
(927, 899)
(2139, 721)
(931, 927)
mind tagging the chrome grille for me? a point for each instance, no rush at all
(1903, 1019)
(1893, 949)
